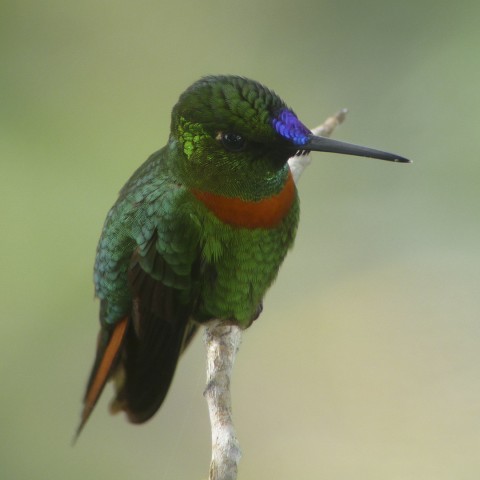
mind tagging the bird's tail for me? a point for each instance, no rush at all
(105, 363)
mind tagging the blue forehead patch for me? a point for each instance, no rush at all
(290, 127)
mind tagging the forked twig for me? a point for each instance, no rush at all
(222, 343)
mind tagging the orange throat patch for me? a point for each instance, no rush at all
(265, 213)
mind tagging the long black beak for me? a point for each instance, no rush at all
(324, 144)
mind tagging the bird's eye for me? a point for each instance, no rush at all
(233, 142)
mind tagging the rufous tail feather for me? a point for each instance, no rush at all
(102, 373)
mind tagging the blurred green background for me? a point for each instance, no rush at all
(366, 361)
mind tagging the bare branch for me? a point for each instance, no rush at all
(222, 343)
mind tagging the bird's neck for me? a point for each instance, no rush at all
(267, 212)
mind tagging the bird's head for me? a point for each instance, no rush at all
(235, 136)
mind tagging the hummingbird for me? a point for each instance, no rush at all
(198, 233)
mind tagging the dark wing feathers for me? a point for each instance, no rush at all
(160, 327)
(143, 354)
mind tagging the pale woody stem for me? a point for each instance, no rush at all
(222, 343)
